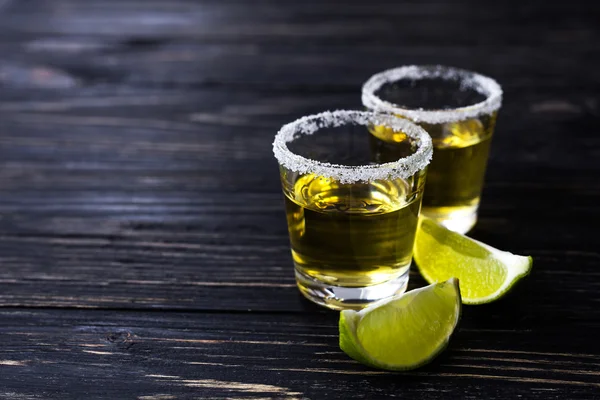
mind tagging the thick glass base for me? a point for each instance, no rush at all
(457, 219)
(342, 298)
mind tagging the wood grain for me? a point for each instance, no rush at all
(127, 354)
(130, 212)
(143, 246)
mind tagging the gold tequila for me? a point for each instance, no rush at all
(456, 173)
(351, 219)
(352, 235)
(458, 108)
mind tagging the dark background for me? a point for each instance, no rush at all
(143, 246)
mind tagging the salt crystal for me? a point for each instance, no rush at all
(467, 79)
(311, 124)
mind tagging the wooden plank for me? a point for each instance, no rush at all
(127, 354)
(65, 43)
(66, 63)
(239, 21)
(218, 120)
(155, 264)
(104, 206)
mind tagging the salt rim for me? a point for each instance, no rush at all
(468, 79)
(403, 168)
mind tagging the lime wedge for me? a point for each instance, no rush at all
(485, 273)
(403, 332)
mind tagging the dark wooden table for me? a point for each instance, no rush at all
(143, 245)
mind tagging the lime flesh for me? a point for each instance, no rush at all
(404, 332)
(485, 273)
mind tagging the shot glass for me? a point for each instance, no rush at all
(458, 108)
(351, 219)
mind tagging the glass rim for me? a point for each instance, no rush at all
(308, 125)
(483, 84)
